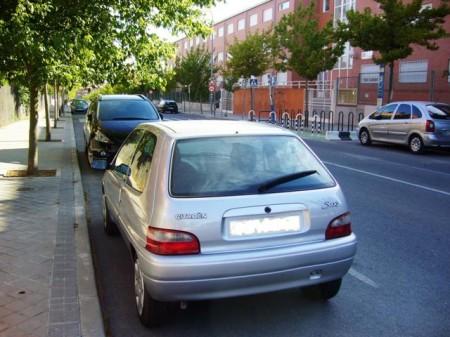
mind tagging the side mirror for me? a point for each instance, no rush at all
(124, 169)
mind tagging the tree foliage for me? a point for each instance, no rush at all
(250, 57)
(305, 47)
(393, 32)
(194, 70)
(89, 42)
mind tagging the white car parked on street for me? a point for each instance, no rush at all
(214, 209)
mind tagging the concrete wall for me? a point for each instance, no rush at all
(9, 110)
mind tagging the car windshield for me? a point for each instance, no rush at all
(439, 111)
(126, 110)
(239, 165)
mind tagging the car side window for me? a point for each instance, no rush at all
(416, 113)
(388, 111)
(124, 157)
(403, 112)
(91, 111)
(142, 161)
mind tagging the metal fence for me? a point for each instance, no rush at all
(316, 122)
(429, 85)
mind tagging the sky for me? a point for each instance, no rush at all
(223, 10)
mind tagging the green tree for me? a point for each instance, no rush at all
(88, 41)
(249, 57)
(194, 71)
(393, 31)
(303, 46)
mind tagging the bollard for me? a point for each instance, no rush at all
(350, 114)
(330, 120)
(285, 118)
(272, 117)
(251, 114)
(340, 126)
(360, 116)
(322, 121)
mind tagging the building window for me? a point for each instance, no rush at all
(253, 20)
(267, 15)
(325, 6)
(241, 24)
(283, 6)
(282, 78)
(369, 73)
(341, 7)
(230, 29)
(413, 71)
(366, 55)
(220, 57)
(448, 71)
(220, 31)
(346, 60)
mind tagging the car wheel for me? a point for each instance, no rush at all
(364, 137)
(151, 312)
(108, 225)
(416, 144)
(323, 291)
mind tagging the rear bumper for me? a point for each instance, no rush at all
(212, 276)
(436, 140)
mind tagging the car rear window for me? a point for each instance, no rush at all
(240, 165)
(126, 110)
(79, 103)
(439, 111)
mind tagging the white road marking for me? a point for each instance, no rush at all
(391, 179)
(363, 278)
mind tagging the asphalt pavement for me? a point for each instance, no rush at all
(399, 284)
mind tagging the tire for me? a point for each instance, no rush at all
(364, 137)
(108, 225)
(416, 144)
(323, 291)
(151, 313)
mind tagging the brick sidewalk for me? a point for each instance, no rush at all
(39, 291)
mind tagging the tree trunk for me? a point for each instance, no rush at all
(48, 135)
(55, 97)
(32, 141)
(391, 81)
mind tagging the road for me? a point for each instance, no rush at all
(399, 284)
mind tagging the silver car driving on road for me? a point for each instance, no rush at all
(215, 209)
(416, 124)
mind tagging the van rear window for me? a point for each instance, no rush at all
(241, 165)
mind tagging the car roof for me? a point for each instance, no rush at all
(415, 102)
(207, 128)
(120, 97)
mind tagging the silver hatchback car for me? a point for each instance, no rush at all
(416, 124)
(215, 209)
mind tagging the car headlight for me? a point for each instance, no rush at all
(100, 137)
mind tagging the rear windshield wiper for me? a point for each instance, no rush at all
(283, 179)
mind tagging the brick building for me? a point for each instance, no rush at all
(353, 82)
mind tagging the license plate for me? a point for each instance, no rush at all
(257, 227)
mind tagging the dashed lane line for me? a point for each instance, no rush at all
(363, 278)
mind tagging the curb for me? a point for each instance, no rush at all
(90, 312)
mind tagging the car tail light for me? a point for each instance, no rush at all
(339, 227)
(429, 127)
(171, 242)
